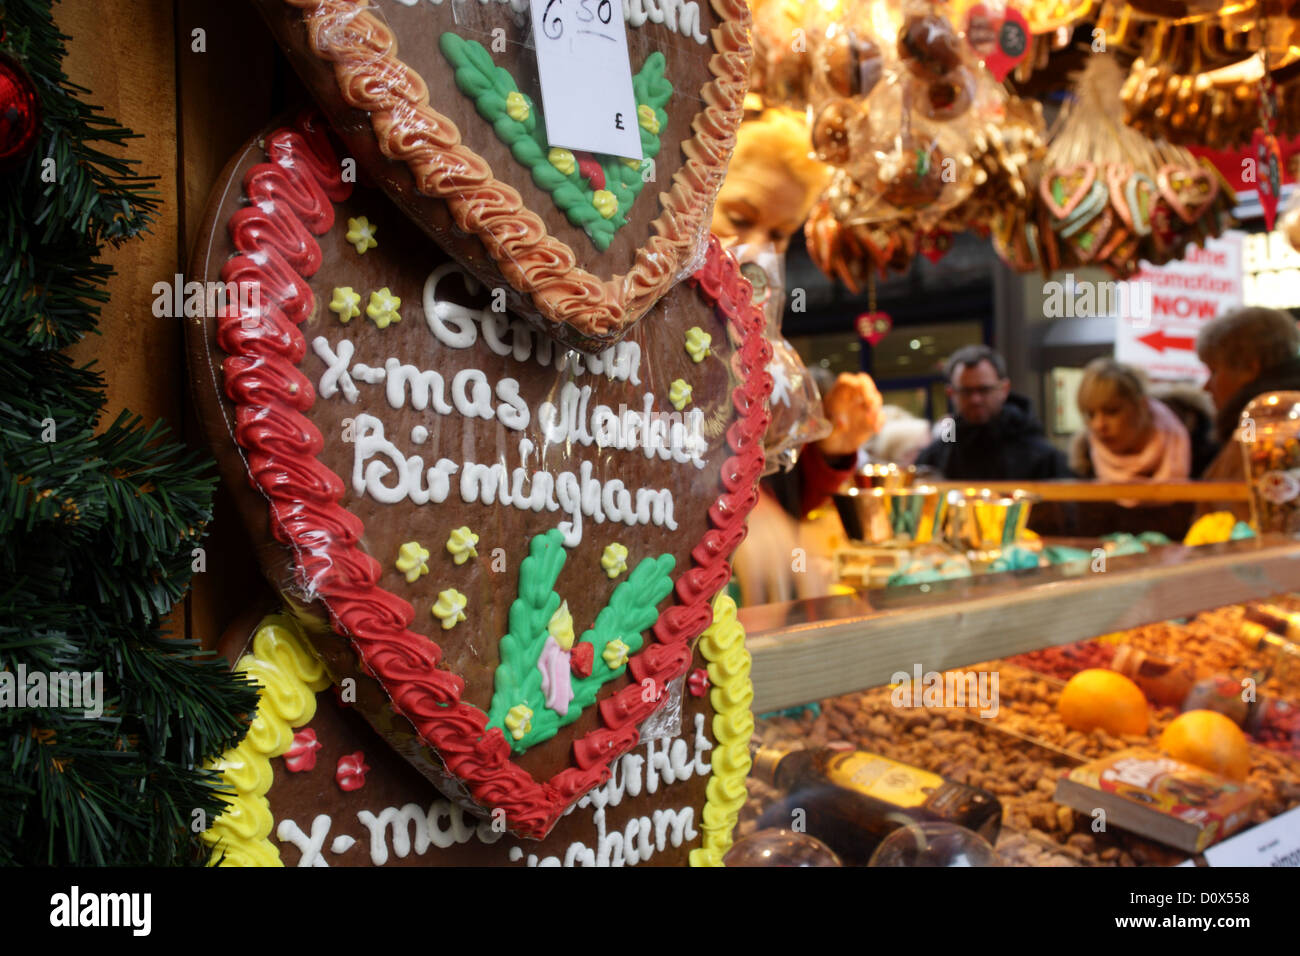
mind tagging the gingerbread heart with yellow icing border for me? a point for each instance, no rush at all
(312, 784)
(518, 542)
(438, 102)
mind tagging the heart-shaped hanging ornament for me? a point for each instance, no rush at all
(1268, 174)
(1132, 194)
(1063, 189)
(934, 245)
(441, 104)
(873, 326)
(515, 545)
(1189, 192)
(1011, 45)
(1087, 242)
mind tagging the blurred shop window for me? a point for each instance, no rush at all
(1271, 271)
(910, 400)
(835, 352)
(907, 364)
(919, 351)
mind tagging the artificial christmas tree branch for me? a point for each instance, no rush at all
(98, 528)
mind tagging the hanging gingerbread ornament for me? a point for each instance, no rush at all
(1267, 152)
(20, 112)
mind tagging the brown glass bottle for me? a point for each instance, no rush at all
(852, 799)
(1282, 655)
(1276, 619)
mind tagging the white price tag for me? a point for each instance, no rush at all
(1274, 843)
(582, 62)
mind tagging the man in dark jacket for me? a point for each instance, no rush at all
(1249, 353)
(994, 436)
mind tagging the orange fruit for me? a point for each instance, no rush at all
(1101, 698)
(1208, 739)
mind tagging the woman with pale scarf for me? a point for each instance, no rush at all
(1130, 435)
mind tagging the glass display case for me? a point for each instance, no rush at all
(975, 682)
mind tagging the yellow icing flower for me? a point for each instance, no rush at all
(346, 303)
(383, 308)
(697, 343)
(606, 202)
(631, 163)
(645, 116)
(560, 627)
(562, 159)
(615, 654)
(412, 560)
(517, 107)
(362, 234)
(450, 608)
(614, 560)
(461, 544)
(519, 720)
(680, 394)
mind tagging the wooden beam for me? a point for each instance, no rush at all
(810, 650)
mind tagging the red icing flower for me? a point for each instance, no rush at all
(698, 682)
(352, 770)
(581, 658)
(591, 170)
(302, 755)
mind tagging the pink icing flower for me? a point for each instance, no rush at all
(698, 682)
(351, 772)
(302, 755)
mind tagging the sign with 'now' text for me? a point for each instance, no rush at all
(1184, 295)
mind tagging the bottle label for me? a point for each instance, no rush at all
(884, 779)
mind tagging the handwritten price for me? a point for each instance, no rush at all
(553, 18)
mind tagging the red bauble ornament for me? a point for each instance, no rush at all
(20, 112)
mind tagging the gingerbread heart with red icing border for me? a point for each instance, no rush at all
(517, 541)
(440, 103)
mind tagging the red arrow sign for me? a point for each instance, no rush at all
(1159, 341)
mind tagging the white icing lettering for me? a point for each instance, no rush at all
(336, 375)
(513, 411)
(641, 837)
(452, 324)
(476, 403)
(406, 383)
(493, 326)
(310, 846)
(367, 478)
(676, 15)
(703, 764)
(401, 821)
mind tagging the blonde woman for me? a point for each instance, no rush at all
(1130, 436)
(771, 184)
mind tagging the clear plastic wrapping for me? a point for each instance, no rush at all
(453, 129)
(516, 544)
